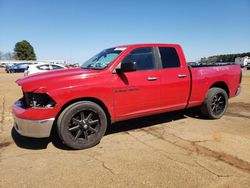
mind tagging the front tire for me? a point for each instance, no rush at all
(82, 125)
(215, 103)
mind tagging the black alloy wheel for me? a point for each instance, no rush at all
(218, 104)
(215, 103)
(82, 124)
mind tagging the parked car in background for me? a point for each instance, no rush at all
(7, 67)
(242, 61)
(193, 64)
(2, 65)
(42, 67)
(16, 68)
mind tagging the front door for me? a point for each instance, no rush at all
(137, 93)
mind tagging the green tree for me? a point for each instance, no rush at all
(24, 51)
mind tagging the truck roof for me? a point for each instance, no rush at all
(147, 45)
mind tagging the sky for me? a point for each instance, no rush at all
(75, 30)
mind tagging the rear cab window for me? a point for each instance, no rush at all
(169, 57)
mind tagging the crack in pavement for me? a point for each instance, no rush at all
(107, 168)
(207, 169)
(164, 153)
(193, 146)
(90, 156)
(103, 164)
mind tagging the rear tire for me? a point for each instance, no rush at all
(215, 103)
(82, 125)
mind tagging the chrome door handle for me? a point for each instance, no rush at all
(182, 75)
(151, 78)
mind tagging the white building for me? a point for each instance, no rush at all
(242, 61)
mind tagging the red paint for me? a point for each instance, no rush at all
(142, 97)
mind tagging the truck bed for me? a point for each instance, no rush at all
(206, 76)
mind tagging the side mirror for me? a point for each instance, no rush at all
(128, 67)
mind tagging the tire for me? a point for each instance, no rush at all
(82, 125)
(215, 103)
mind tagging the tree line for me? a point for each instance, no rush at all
(223, 58)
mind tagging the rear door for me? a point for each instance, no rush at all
(137, 93)
(175, 79)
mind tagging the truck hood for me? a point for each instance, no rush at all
(55, 79)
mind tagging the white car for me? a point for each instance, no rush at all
(39, 68)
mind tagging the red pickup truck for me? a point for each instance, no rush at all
(117, 84)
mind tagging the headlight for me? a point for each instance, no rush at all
(38, 100)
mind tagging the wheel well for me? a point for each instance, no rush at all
(95, 100)
(221, 85)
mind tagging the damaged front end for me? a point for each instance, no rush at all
(34, 114)
(37, 100)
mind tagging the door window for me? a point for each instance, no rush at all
(143, 57)
(169, 57)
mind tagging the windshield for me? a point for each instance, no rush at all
(103, 59)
